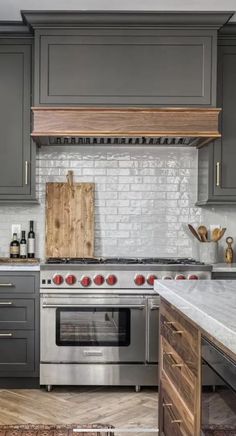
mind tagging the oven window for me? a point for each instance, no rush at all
(93, 327)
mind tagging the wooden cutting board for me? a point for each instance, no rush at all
(69, 220)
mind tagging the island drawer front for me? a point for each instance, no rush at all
(179, 419)
(16, 313)
(17, 284)
(180, 375)
(181, 335)
(168, 428)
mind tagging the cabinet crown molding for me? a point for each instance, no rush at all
(45, 19)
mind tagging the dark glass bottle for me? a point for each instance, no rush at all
(23, 246)
(14, 247)
(31, 241)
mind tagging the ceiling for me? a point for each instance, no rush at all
(10, 9)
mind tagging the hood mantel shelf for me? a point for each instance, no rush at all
(145, 126)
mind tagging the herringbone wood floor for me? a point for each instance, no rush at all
(120, 407)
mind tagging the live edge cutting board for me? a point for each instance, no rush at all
(69, 220)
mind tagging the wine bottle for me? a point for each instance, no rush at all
(31, 241)
(23, 246)
(14, 247)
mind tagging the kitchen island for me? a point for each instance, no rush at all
(197, 320)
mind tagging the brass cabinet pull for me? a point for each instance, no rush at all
(26, 172)
(6, 303)
(177, 332)
(168, 353)
(177, 365)
(7, 285)
(217, 173)
(6, 335)
(169, 323)
(167, 404)
(176, 421)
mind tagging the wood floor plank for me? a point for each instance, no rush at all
(121, 407)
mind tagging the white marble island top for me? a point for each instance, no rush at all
(210, 304)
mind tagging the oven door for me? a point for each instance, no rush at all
(83, 329)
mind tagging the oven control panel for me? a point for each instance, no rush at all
(106, 279)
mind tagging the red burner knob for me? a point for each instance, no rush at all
(180, 277)
(85, 281)
(111, 280)
(99, 280)
(70, 279)
(151, 279)
(57, 279)
(139, 280)
(193, 277)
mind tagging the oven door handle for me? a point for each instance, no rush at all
(114, 306)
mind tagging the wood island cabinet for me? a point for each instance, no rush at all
(186, 407)
(180, 374)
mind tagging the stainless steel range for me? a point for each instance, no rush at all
(99, 318)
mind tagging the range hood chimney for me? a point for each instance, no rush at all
(145, 126)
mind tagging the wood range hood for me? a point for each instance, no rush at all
(171, 126)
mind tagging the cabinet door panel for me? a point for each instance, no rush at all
(15, 102)
(225, 149)
(125, 69)
(17, 352)
(16, 313)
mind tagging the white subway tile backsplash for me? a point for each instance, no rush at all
(144, 199)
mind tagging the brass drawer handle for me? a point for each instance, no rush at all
(7, 285)
(167, 404)
(217, 173)
(6, 303)
(168, 353)
(176, 421)
(169, 323)
(177, 365)
(6, 335)
(177, 332)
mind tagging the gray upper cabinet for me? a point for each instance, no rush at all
(125, 68)
(217, 175)
(125, 58)
(17, 171)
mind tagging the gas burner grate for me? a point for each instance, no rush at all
(169, 261)
(123, 261)
(73, 260)
(120, 260)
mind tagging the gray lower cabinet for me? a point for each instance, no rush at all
(17, 163)
(217, 161)
(19, 328)
(17, 352)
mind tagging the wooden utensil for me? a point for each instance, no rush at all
(194, 232)
(222, 232)
(216, 234)
(202, 231)
(70, 219)
(229, 252)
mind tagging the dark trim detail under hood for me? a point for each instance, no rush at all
(147, 126)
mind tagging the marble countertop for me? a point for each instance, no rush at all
(20, 267)
(224, 267)
(210, 304)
